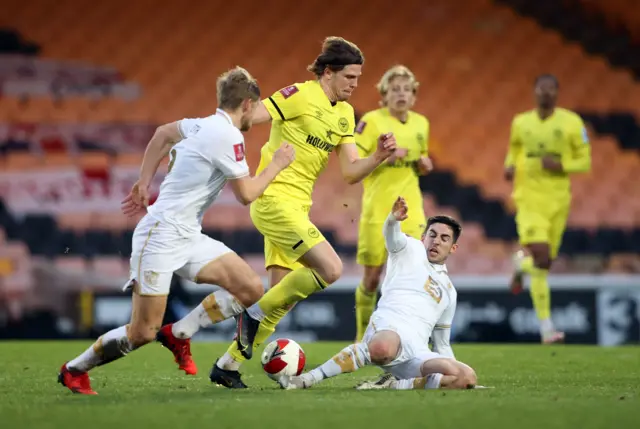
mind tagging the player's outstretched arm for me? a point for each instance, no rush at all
(247, 189)
(394, 239)
(158, 147)
(354, 168)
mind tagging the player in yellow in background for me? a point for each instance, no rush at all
(547, 145)
(315, 118)
(397, 176)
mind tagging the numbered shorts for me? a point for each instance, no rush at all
(288, 232)
(414, 349)
(371, 249)
(542, 222)
(158, 252)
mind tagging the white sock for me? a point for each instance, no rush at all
(228, 363)
(215, 308)
(350, 359)
(256, 312)
(111, 346)
(546, 327)
(431, 381)
(87, 360)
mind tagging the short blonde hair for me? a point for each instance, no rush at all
(235, 86)
(394, 72)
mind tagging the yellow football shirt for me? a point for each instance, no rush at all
(561, 135)
(387, 182)
(303, 115)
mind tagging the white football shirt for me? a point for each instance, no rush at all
(415, 290)
(211, 152)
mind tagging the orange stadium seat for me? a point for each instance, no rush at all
(619, 13)
(467, 56)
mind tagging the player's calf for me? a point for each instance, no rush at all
(350, 359)
(242, 287)
(541, 254)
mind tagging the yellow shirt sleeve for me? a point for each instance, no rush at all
(366, 136)
(349, 137)
(515, 145)
(287, 103)
(425, 147)
(578, 158)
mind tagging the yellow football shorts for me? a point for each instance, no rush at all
(371, 248)
(288, 232)
(542, 222)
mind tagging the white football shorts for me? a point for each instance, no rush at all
(158, 251)
(414, 349)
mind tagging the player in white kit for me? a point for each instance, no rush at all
(205, 154)
(417, 301)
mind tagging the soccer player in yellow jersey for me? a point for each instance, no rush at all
(315, 118)
(397, 176)
(547, 144)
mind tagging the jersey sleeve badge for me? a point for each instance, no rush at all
(289, 91)
(238, 149)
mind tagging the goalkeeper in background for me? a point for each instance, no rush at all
(397, 176)
(547, 144)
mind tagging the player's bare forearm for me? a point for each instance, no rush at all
(158, 147)
(354, 168)
(357, 170)
(247, 189)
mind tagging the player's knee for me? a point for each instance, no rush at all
(542, 261)
(251, 291)
(381, 352)
(332, 271)
(139, 336)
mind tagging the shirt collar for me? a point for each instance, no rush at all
(225, 114)
(440, 268)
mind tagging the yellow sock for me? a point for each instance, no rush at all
(294, 287)
(365, 303)
(526, 266)
(266, 328)
(540, 293)
(276, 303)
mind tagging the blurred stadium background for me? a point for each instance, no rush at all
(83, 86)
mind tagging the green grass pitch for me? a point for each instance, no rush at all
(541, 387)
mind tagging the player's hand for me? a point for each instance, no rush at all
(425, 165)
(399, 153)
(386, 145)
(284, 156)
(551, 163)
(509, 172)
(137, 201)
(399, 210)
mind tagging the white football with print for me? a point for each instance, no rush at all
(283, 357)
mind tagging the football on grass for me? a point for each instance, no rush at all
(283, 357)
